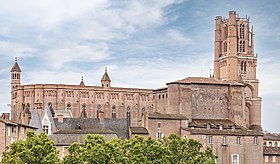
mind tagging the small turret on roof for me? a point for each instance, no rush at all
(82, 82)
(105, 80)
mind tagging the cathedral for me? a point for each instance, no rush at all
(222, 111)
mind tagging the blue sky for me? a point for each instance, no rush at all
(144, 43)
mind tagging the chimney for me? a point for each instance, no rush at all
(60, 118)
(6, 116)
(101, 117)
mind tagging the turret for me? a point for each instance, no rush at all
(15, 75)
(105, 80)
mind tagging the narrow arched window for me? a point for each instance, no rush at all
(128, 115)
(241, 65)
(235, 159)
(114, 112)
(98, 110)
(225, 47)
(244, 66)
(143, 111)
(242, 46)
(241, 30)
(68, 107)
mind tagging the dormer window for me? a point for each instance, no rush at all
(221, 127)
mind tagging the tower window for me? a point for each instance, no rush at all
(241, 30)
(238, 140)
(242, 46)
(114, 112)
(158, 125)
(224, 140)
(225, 47)
(210, 139)
(255, 140)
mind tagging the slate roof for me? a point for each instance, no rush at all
(93, 126)
(68, 139)
(271, 151)
(35, 121)
(138, 130)
(9, 122)
(49, 111)
(204, 80)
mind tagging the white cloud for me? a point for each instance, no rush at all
(178, 37)
(8, 48)
(77, 53)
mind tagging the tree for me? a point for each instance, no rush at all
(171, 150)
(36, 149)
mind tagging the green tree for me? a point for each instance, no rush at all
(36, 149)
(171, 150)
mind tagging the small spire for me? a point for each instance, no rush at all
(252, 29)
(82, 81)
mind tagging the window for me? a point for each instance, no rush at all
(273, 158)
(159, 135)
(159, 125)
(225, 47)
(238, 140)
(46, 129)
(242, 46)
(114, 113)
(266, 158)
(68, 106)
(224, 140)
(210, 139)
(235, 159)
(241, 30)
(255, 140)
(8, 131)
(276, 144)
(13, 130)
(128, 116)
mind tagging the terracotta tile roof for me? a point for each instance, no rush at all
(9, 122)
(272, 136)
(167, 116)
(271, 151)
(214, 123)
(16, 68)
(138, 130)
(236, 132)
(85, 131)
(204, 80)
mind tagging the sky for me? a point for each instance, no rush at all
(143, 43)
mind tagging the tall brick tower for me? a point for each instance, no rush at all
(15, 82)
(235, 60)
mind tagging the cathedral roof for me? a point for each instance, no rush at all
(105, 76)
(204, 80)
(16, 68)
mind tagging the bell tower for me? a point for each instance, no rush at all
(235, 60)
(15, 83)
(15, 75)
